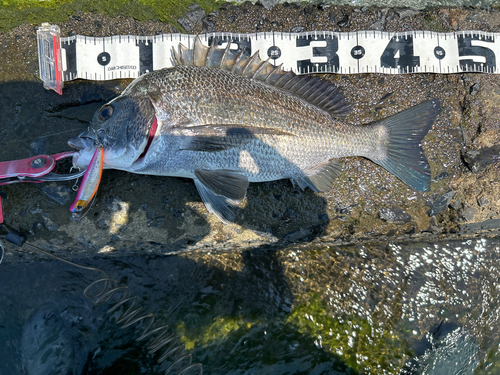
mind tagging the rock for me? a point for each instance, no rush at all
(474, 88)
(195, 13)
(441, 176)
(440, 204)
(269, 4)
(35, 210)
(345, 210)
(48, 344)
(58, 193)
(37, 226)
(207, 25)
(48, 223)
(150, 213)
(482, 201)
(394, 215)
(309, 9)
(457, 204)
(297, 29)
(478, 160)
(379, 24)
(344, 22)
(403, 13)
(185, 23)
(193, 16)
(467, 213)
(491, 224)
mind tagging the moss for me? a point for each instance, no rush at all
(433, 24)
(358, 342)
(219, 329)
(14, 12)
(363, 344)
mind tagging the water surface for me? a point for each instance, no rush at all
(402, 308)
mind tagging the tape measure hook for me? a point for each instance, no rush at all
(49, 57)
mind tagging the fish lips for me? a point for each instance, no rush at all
(82, 159)
(82, 143)
(86, 147)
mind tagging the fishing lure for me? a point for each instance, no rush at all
(90, 182)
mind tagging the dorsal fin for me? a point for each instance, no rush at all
(316, 91)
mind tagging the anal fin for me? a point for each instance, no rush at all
(320, 177)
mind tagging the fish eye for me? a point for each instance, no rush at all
(105, 112)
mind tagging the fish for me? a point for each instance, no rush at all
(225, 119)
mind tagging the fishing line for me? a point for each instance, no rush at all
(129, 314)
(1, 248)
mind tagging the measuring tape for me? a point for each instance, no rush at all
(129, 56)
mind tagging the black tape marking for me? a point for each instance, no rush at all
(103, 58)
(406, 60)
(71, 68)
(330, 52)
(145, 55)
(244, 44)
(274, 52)
(466, 49)
(357, 52)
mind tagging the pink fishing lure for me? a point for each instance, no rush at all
(90, 182)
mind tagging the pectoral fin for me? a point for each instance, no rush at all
(212, 138)
(231, 184)
(221, 190)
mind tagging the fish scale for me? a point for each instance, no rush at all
(225, 120)
(269, 108)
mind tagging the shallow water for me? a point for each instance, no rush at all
(407, 308)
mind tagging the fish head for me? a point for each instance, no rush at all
(122, 127)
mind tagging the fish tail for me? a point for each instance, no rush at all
(403, 155)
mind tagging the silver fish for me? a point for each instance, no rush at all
(224, 120)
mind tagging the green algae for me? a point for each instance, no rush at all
(362, 344)
(15, 12)
(220, 328)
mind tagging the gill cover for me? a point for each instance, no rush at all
(122, 127)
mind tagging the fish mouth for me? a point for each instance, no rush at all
(82, 143)
(151, 135)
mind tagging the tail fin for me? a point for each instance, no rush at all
(405, 157)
